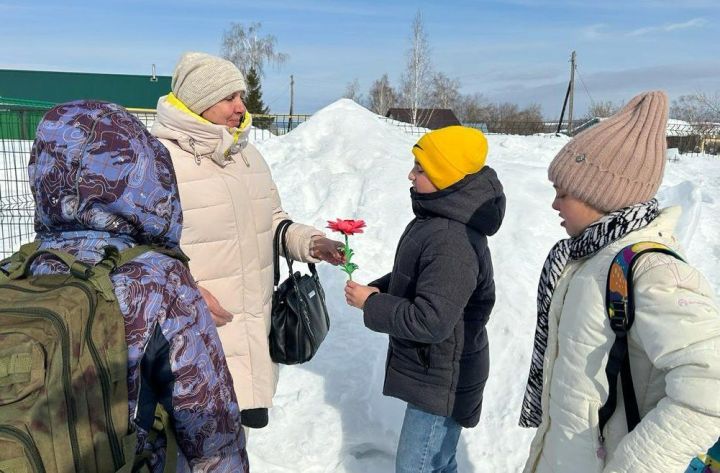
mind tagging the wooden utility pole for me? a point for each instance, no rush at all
(572, 93)
(292, 101)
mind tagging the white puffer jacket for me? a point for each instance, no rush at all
(675, 361)
(231, 208)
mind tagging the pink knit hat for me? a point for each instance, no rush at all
(620, 161)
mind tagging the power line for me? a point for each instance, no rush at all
(584, 86)
(277, 97)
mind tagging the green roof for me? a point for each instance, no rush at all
(130, 91)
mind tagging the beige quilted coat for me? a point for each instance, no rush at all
(231, 208)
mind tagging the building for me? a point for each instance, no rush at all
(130, 91)
(432, 118)
(25, 96)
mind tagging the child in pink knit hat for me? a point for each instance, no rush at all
(668, 355)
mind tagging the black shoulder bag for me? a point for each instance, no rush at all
(299, 319)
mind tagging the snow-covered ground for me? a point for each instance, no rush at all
(329, 414)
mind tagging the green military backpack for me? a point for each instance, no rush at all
(63, 369)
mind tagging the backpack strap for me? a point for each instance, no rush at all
(16, 259)
(139, 462)
(98, 275)
(113, 259)
(620, 307)
(21, 262)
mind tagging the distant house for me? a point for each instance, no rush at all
(131, 91)
(709, 138)
(432, 118)
(684, 136)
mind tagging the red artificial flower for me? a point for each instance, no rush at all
(346, 227)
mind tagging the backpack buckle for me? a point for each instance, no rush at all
(81, 270)
(618, 316)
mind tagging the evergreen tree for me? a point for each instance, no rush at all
(254, 101)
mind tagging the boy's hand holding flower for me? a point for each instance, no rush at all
(356, 294)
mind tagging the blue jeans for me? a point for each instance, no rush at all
(427, 443)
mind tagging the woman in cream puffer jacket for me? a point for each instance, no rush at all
(231, 208)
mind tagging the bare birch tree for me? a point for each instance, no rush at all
(382, 96)
(696, 108)
(444, 91)
(352, 91)
(601, 109)
(473, 108)
(712, 105)
(244, 47)
(418, 72)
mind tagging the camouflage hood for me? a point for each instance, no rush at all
(94, 167)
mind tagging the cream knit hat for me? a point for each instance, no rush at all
(201, 80)
(620, 161)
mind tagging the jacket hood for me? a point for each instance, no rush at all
(94, 167)
(198, 136)
(477, 200)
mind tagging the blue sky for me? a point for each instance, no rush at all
(511, 50)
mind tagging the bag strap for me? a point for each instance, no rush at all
(139, 462)
(163, 423)
(98, 274)
(16, 259)
(278, 239)
(620, 307)
(289, 261)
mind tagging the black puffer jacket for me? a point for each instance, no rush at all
(437, 300)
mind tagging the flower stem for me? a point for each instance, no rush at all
(347, 255)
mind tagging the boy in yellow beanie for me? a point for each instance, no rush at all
(437, 299)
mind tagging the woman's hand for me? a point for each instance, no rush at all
(219, 315)
(327, 250)
(356, 294)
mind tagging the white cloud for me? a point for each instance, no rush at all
(601, 31)
(593, 32)
(694, 23)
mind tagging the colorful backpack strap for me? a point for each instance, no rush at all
(620, 306)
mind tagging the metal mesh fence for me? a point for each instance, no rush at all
(682, 138)
(17, 132)
(278, 124)
(18, 124)
(504, 127)
(694, 138)
(16, 202)
(264, 126)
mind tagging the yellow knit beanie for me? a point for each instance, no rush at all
(449, 154)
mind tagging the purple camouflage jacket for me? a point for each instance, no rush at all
(99, 178)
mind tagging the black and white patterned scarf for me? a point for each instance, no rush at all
(608, 229)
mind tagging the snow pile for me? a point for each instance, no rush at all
(330, 415)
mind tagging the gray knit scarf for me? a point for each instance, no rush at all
(608, 229)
